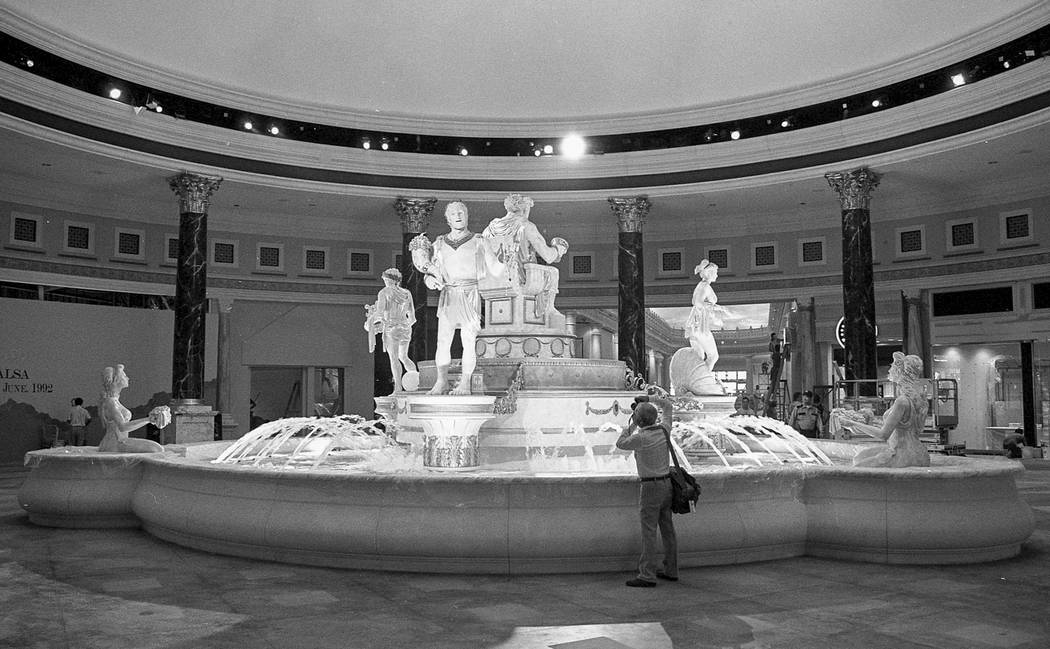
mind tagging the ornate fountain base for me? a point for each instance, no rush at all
(450, 428)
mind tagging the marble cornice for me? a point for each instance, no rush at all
(585, 298)
(957, 49)
(105, 278)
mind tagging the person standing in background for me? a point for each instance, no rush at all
(78, 420)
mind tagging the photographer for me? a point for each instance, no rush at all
(648, 440)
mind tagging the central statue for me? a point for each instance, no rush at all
(502, 267)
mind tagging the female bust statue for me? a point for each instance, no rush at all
(902, 423)
(117, 419)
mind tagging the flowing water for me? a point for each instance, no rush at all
(351, 442)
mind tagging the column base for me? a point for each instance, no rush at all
(193, 421)
(229, 426)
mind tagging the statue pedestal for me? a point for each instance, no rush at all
(450, 428)
(690, 375)
(194, 421)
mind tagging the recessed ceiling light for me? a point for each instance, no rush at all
(114, 93)
(573, 146)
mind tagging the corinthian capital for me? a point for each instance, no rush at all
(194, 191)
(415, 213)
(854, 187)
(630, 212)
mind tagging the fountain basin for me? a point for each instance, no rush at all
(76, 486)
(960, 510)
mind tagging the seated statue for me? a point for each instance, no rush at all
(117, 419)
(901, 424)
(517, 242)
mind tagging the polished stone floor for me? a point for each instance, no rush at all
(122, 588)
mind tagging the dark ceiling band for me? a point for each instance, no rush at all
(823, 158)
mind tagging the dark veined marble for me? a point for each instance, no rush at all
(190, 307)
(424, 333)
(858, 295)
(632, 303)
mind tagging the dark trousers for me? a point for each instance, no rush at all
(654, 505)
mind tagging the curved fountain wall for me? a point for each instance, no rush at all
(959, 510)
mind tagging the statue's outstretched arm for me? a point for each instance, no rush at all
(551, 254)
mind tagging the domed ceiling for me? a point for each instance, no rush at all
(528, 68)
(454, 64)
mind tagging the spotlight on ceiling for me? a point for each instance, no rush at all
(384, 144)
(786, 122)
(537, 152)
(274, 130)
(875, 103)
(115, 93)
(247, 125)
(735, 134)
(154, 106)
(958, 79)
(463, 151)
(548, 148)
(573, 146)
(366, 143)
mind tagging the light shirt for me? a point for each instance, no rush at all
(650, 450)
(78, 416)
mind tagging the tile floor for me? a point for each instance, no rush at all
(64, 589)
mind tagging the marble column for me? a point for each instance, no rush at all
(803, 325)
(1031, 438)
(858, 285)
(415, 219)
(222, 370)
(194, 420)
(630, 217)
(915, 330)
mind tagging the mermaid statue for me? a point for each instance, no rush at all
(901, 424)
(117, 419)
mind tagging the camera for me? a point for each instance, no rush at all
(640, 399)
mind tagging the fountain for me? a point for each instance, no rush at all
(521, 475)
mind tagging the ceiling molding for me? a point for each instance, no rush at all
(957, 48)
(897, 133)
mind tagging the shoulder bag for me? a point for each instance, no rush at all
(685, 490)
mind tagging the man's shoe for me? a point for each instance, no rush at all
(665, 576)
(641, 583)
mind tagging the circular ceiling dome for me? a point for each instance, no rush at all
(459, 66)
